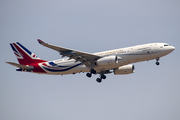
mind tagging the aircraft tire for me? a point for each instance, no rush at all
(99, 80)
(157, 63)
(103, 77)
(89, 75)
(93, 71)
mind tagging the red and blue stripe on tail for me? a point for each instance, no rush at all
(24, 56)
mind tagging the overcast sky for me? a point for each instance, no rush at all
(151, 93)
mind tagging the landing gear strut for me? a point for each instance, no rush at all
(157, 63)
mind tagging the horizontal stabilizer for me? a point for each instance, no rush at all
(21, 66)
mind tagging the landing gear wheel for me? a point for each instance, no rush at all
(93, 71)
(103, 77)
(99, 80)
(157, 59)
(157, 63)
(89, 75)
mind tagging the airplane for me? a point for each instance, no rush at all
(117, 61)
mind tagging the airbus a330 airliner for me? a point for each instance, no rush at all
(117, 61)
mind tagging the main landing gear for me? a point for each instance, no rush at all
(99, 80)
(89, 75)
(102, 76)
(157, 63)
(91, 72)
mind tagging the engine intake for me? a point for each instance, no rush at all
(126, 69)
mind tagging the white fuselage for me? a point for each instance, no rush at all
(127, 56)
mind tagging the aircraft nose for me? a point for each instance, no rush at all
(171, 48)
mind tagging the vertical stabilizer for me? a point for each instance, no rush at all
(24, 56)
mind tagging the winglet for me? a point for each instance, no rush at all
(40, 41)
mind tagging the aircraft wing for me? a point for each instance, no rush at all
(21, 66)
(86, 58)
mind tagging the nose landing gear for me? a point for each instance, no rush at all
(157, 63)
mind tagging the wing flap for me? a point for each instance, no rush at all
(85, 58)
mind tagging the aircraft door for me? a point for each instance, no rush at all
(130, 50)
(155, 47)
(150, 49)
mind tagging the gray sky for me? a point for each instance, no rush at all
(151, 93)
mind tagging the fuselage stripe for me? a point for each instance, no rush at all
(53, 70)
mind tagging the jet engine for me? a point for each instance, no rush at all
(109, 60)
(126, 69)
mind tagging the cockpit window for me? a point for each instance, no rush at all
(166, 45)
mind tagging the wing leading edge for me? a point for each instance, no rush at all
(87, 59)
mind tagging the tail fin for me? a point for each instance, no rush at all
(24, 56)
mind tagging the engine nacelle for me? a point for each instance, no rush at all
(126, 69)
(109, 60)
